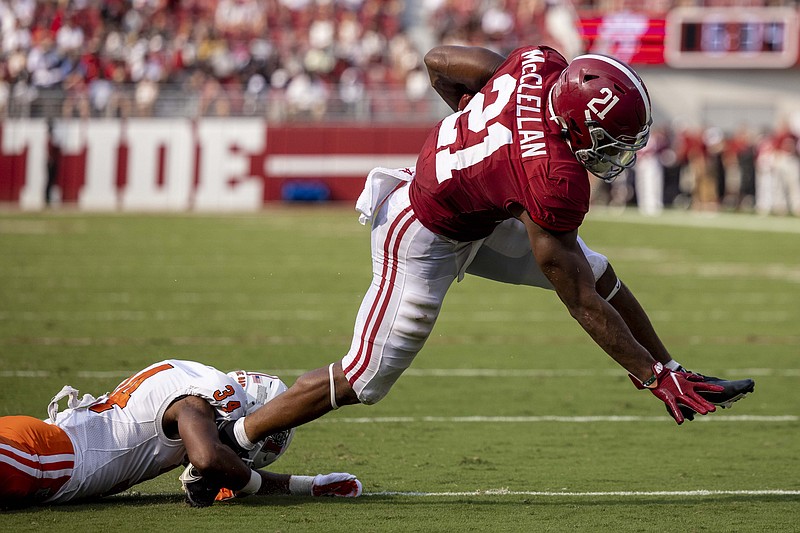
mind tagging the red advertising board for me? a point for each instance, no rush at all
(185, 165)
(697, 37)
(636, 38)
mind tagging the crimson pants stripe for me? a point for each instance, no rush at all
(383, 294)
(381, 288)
(388, 296)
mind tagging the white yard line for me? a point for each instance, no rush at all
(539, 419)
(550, 494)
(593, 494)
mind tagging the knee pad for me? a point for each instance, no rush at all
(414, 322)
(371, 397)
(379, 386)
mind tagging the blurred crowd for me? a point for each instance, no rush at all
(352, 59)
(117, 57)
(710, 170)
(275, 58)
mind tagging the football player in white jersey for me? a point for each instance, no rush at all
(166, 415)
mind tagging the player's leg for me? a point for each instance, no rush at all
(412, 270)
(36, 460)
(506, 256)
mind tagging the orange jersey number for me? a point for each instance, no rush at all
(227, 392)
(123, 392)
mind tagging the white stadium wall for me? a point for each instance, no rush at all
(211, 164)
(728, 99)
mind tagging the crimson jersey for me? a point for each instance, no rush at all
(502, 149)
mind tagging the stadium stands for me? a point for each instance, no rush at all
(359, 61)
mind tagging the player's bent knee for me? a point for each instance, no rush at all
(380, 385)
(371, 397)
(414, 322)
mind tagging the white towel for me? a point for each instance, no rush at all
(379, 184)
(72, 402)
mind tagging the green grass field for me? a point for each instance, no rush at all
(504, 423)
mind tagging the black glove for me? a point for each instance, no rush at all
(199, 492)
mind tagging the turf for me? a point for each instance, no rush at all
(89, 299)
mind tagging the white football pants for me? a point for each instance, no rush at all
(412, 269)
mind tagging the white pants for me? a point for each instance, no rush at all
(412, 269)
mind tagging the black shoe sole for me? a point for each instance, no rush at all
(734, 391)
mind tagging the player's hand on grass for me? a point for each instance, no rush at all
(677, 390)
(199, 492)
(340, 484)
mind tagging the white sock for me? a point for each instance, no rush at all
(301, 485)
(241, 436)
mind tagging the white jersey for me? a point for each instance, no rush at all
(119, 439)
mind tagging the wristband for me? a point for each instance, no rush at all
(253, 485)
(651, 383)
(301, 485)
(241, 435)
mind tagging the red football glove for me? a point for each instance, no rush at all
(464, 101)
(675, 388)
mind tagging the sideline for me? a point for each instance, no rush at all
(692, 219)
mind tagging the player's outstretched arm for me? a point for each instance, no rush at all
(215, 465)
(338, 484)
(456, 71)
(634, 315)
(562, 261)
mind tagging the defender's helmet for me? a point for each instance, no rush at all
(260, 389)
(603, 108)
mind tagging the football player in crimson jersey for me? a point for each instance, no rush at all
(499, 190)
(169, 413)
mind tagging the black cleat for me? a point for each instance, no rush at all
(734, 391)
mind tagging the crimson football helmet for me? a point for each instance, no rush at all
(260, 389)
(603, 109)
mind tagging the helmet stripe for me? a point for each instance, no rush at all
(628, 72)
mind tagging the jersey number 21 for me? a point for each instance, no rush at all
(497, 135)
